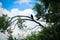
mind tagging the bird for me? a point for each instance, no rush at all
(38, 18)
(32, 17)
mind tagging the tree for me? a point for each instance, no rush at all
(4, 22)
(49, 10)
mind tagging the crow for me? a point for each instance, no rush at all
(32, 17)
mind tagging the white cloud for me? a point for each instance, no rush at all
(22, 1)
(29, 24)
(1, 9)
(26, 2)
(3, 36)
(26, 12)
(0, 4)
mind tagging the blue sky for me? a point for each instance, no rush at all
(20, 4)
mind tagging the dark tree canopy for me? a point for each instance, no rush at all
(4, 22)
(49, 10)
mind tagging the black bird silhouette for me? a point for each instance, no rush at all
(32, 17)
(38, 18)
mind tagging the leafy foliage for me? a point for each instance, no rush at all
(52, 8)
(20, 23)
(10, 37)
(49, 34)
(51, 13)
(4, 22)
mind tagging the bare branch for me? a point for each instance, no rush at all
(35, 22)
(28, 19)
(38, 23)
(20, 16)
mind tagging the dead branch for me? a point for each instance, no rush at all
(28, 19)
